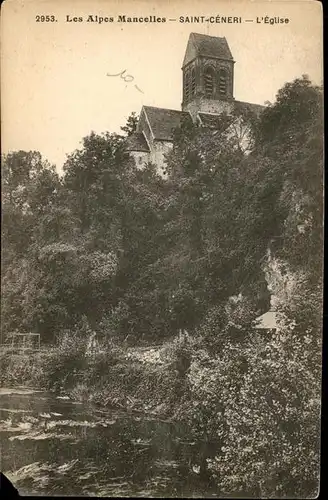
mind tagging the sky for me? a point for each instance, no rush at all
(54, 84)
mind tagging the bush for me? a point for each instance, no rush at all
(65, 363)
(178, 353)
(259, 405)
(19, 370)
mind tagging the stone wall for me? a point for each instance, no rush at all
(204, 105)
(141, 158)
(156, 156)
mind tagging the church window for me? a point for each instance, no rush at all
(209, 81)
(187, 85)
(223, 79)
(193, 82)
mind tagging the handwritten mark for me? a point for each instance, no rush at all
(126, 78)
(136, 86)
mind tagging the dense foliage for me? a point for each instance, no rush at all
(142, 258)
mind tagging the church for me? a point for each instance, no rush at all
(207, 91)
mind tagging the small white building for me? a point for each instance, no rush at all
(268, 321)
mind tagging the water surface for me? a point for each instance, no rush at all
(55, 446)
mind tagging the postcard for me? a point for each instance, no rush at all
(162, 248)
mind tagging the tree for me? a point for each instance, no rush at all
(29, 190)
(92, 178)
(131, 125)
(261, 393)
(30, 194)
(213, 221)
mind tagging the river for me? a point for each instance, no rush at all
(51, 445)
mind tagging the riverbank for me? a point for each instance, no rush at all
(209, 393)
(141, 379)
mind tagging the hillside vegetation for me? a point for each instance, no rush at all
(185, 264)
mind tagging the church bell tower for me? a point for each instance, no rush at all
(208, 72)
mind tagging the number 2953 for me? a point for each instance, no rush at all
(45, 19)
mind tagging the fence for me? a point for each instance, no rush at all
(22, 342)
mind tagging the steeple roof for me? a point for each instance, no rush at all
(207, 46)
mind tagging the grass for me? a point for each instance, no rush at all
(114, 377)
